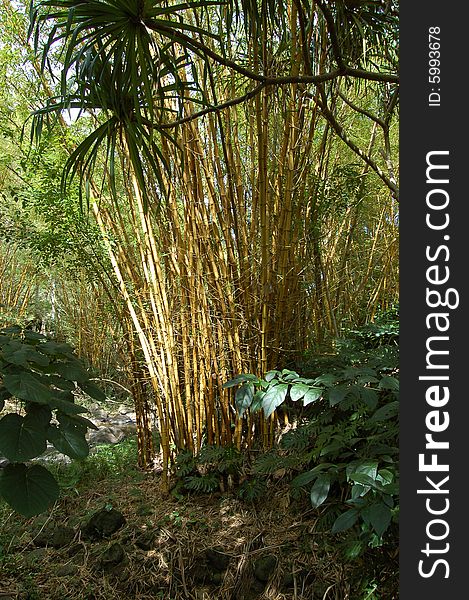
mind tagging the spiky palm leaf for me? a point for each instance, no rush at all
(119, 57)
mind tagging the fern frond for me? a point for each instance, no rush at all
(185, 464)
(203, 484)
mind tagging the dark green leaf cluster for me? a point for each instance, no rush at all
(203, 473)
(203, 483)
(43, 376)
(347, 440)
(273, 390)
(252, 489)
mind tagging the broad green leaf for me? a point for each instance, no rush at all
(304, 478)
(380, 517)
(72, 371)
(385, 476)
(26, 386)
(256, 403)
(308, 476)
(327, 379)
(366, 467)
(94, 391)
(14, 329)
(303, 380)
(362, 479)
(23, 354)
(67, 407)
(320, 490)
(288, 372)
(338, 393)
(345, 520)
(273, 397)
(271, 375)
(290, 377)
(39, 412)
(297, 391)
(363, 379)
(333, 448)
(238, 379)
(4, 394)
(69, 441)
(358, 491)
(369, 397)
(243, 397)
(388, 499)
(61, 383)
(72, 420)
(33, 336)
(28, 490)
(313, 394)
(388, 411)
(389, 383)
(56, 349)
(21, 438)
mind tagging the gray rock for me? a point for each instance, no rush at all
(145, 541)
(35, 556)
(100, 414)
(104, 523)
(4, 462)
(67, 570)
(104, 436)
(113, 556)
(56, 536)
(288, 580)
(51, 455)
(129, 429)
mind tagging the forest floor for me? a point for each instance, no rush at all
(196, 547)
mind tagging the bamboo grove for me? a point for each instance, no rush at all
(240, 168)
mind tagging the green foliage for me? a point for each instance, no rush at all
(252, 489)
(345, 445)
(41, 375)
(204, 472)
(203, 483)
(273, 390)
(107, 463)
(384, 331)
(116, 72)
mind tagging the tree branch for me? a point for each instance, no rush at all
(330, 117)
(197, 47)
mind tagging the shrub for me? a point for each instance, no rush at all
(346, 442)
(43, 377)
